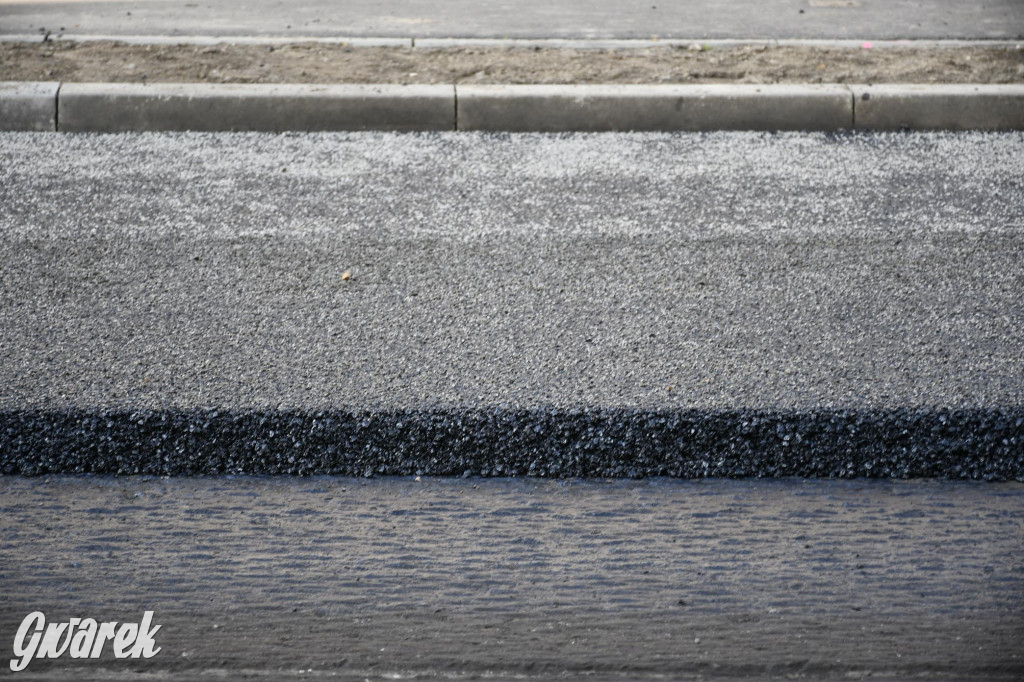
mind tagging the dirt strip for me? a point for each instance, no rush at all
(339, 63)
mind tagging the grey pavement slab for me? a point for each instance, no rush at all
(598, 305)
(350, 579)
(843, 19)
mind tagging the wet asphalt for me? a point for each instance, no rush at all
(527, 579)
(457, 304)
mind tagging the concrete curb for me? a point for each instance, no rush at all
(939, 107)
(598, 108)
(28, 106)
(125, 107)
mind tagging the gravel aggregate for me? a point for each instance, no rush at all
(598, 305)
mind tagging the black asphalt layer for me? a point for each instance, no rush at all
(576, 305)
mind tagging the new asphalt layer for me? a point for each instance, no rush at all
(722, 304)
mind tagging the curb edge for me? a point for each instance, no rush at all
(124, 107)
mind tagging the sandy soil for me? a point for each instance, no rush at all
(321, 63)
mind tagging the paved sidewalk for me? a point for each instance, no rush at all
(850, 19)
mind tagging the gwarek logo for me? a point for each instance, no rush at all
(82, 638)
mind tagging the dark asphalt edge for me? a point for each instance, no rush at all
(980, 444)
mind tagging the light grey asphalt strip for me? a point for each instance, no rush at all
(711, 44)
(525, 579)
(713, 304)
(355, 41)
(577, 19)
(127, 107)
(513, 43)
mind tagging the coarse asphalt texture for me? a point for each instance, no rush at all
(569, 305)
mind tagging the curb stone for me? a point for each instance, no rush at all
(28, 106)
(939, 107)
(599, 108)
(128, 107)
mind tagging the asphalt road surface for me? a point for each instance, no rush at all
(575, 305)
(847, 19)
(386, 579)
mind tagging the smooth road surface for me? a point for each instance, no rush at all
(577, 19)
(442, 579)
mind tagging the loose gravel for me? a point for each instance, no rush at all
(575, 305)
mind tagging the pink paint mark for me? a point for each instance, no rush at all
(867, 46)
